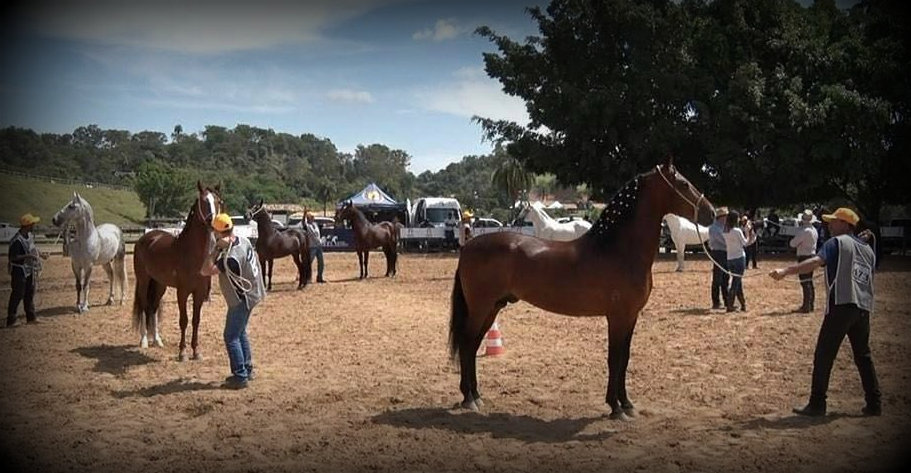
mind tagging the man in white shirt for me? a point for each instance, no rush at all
(805, 242)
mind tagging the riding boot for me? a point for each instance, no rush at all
(815, 408)
(805, 306)
(729, 301)
(743, 303)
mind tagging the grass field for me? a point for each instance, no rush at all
(42, 198)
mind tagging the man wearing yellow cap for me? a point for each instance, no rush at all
(24, 265)
(241, 283)
(849, 263)
(465, 228)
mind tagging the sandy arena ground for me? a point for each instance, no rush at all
(355, 376)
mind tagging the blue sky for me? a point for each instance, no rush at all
(404, 73)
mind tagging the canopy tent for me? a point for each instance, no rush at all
(376, 204)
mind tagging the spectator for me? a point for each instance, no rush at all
(805, 242)
(752, 240)
(465, 228)
(719, 256)
(24, 266)
(734, 241)
(315, 245)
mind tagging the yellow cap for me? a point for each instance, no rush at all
(467, 214)
(222, 223)
(28, 219)
(844, 214)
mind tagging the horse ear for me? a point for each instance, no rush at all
(260, 202)
(218, 188)
(670, 161)
(199, 186)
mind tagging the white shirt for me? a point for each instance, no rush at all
(805, 240)
(734, 242)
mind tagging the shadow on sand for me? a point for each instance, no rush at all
(525, 428)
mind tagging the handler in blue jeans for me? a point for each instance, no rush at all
(241, 283)
(719, 254)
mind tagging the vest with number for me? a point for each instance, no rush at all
(28, 267)
(854, 274)
(242, 252)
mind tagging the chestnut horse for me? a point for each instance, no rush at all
(605, 272)
(272, 244)
(368, 236)
(161, 260)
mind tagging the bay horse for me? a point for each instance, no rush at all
(103, 245)
(683, 233)
(272, 244)
(161, 260)
(606, 272)
(367, 236)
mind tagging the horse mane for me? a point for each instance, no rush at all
(619, 211)
(89, 209)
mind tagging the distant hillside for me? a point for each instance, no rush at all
(19, 195)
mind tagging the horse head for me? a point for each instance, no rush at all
(683, 198)
(254, 210)
(209, 203)
(77, 207)
(345, 212)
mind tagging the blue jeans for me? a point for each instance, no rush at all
(737, 267)
(237, 342)
(720, 284)
(317, 252)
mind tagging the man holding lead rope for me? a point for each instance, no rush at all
(241, 283)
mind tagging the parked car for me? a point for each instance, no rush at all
(7, 232)
(486, 223)
(321, 222)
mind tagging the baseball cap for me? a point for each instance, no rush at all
(467, 214)
(28, 219)
(222, 223)
(844, 214)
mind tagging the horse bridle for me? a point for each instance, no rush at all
(685, 198)
(206, 216)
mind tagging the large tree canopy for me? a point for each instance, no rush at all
(762, 103)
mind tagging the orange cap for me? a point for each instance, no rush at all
(222, 223)
(844, 214)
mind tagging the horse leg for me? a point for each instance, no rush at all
(109, 270)
(182, 296)
(87, 274)
(300, 270)
(366, 262)
(625, 403)
(619, 334)
(271, 263)
(154, 314)
(263, 268)
(120, 270)
(198, 297)
(78, 274)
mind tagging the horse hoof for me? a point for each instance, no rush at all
(159, 343)
(470, 405)
(182, 357)
(197, 356)
(111, 302)
(143, 343)
(479, 402)
(619, 415)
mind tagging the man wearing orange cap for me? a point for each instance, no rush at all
(241, 283)
(849, 263)
(23, 268)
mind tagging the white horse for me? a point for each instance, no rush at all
(549, 229)
(92, 246)
(685, 232)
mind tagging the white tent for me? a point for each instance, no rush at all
(555, 205)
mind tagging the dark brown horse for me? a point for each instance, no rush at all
(161, 260)
(605, 272)
(272, 244)
(367, 236)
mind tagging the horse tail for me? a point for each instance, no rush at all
(458, 319)
(120, 267)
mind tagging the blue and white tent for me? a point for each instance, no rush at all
(372, 196)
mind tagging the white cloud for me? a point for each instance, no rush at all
(472, 93)
(443, 30)
(204, 27)
(349, 96)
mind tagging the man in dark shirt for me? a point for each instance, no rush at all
(24, 264)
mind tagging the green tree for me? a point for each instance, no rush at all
(166, 191)
(511, 178)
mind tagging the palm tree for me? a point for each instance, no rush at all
(512, 178)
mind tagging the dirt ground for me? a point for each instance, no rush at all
(355, 376)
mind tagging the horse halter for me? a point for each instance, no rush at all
(207, 217)
(258, 210)
(685, 198)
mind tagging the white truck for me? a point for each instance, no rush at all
(433, 224)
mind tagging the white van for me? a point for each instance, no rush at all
(438, 212)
